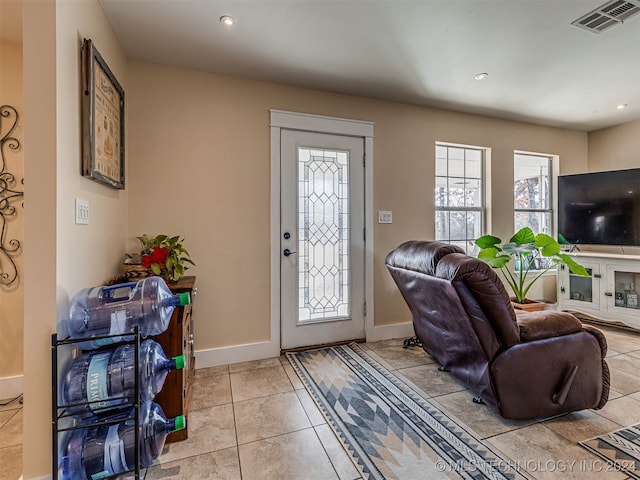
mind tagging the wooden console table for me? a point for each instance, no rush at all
(178, 340)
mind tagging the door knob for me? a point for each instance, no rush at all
(288, 252)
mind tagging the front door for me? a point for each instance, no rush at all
(322, 245)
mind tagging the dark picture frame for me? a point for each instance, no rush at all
(102, 120)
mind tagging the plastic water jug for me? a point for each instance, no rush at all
(99, 375)
(117, 309)
(99, 451)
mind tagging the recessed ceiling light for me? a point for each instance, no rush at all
(622, 106)
(227, 20)
(481, 76)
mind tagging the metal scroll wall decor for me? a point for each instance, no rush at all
(9, 196)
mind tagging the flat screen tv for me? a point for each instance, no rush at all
(600, 208)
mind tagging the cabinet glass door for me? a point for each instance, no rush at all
(582, 291)
(622, 291)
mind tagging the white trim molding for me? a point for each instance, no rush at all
(213, 357)
(385, 332)
(319, 124)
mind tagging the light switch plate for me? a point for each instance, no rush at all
(385, 216)
(82, 211)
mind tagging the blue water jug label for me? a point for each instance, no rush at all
(101, 342)
(97, 380)
(118, 326)
(118, 322)
(114, 459)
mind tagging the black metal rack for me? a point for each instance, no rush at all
(58, 412)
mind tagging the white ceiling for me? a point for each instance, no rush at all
(426, 52)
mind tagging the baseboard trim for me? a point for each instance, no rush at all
(386, 332)
(238, 353)
(260, 350)
(11, 387)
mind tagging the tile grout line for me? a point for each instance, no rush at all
(324, 448)
(235, 432)
(311, 427)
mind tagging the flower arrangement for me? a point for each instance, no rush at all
(165, 256)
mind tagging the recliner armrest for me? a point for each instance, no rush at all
(599, 336)
(546, 324)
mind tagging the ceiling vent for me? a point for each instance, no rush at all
(608, 15)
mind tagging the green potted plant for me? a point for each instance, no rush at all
(526, 249)
(162, 255)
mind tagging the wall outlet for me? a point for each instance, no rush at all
(385, 216)
(82, 212)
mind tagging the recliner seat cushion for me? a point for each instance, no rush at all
(546, 324)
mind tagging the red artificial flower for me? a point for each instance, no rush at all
(159, 255)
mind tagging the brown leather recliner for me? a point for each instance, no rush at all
(523, 366)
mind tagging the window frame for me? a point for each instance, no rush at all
(482, 197)
(550, 186)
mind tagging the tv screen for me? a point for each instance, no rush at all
(600, 208)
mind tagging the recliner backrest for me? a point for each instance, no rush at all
(447, 317)
(487, 290)
(420, 256)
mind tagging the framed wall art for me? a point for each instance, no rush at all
(102, 120)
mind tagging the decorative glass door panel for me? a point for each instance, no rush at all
(624, 282)
(578, 291)
(323, 234)
(581, 288)
(322, 221)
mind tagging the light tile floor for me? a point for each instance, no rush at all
(255, 421)
(10, 440)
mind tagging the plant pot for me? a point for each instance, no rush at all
(135, 272)
(528, 305)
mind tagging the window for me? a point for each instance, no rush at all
(532, 197)
(459, 195)
(532, 192)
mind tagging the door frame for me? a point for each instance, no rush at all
(280, 120)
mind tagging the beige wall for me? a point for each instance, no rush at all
(58, 252)
(12, 296)
(199, 167)
(40, 230)
(87, 254)
(615, 148)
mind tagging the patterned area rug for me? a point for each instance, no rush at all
(390, 430)
(620, 448)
